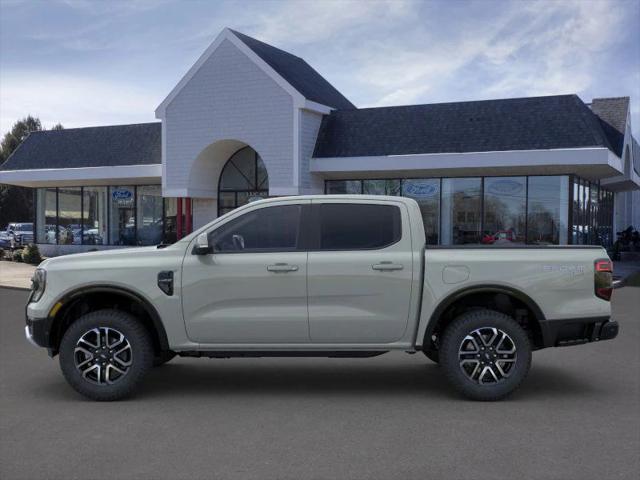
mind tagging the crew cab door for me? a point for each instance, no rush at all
(359, 271)
(253, 287)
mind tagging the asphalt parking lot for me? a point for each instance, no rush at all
(576, 417)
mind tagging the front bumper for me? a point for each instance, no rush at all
(38, 331)
(576, 331)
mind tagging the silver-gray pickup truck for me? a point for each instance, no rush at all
(333, 276)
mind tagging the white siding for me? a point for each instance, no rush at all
(309, 126)
(229, 97)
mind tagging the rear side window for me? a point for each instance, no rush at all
(353, 226)
(270, 229)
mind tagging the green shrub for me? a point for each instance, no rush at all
(31, 254)
(1, 254)
(17, 256)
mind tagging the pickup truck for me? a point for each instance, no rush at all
(331, 276)
(17, 235)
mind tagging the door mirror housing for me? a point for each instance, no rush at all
(201, 246)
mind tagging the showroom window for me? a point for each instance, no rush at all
(46, 215)
(94, 215)
(69, 216)
(426, 192)
(505, 214)
(548, 210)
(149, 215)
(122, 218)
(119, 215)
(461, 210)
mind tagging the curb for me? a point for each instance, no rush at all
(11, 287)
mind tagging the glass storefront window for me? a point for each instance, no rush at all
(94, 215)
(505, 214)
(170, 220)
(345, 187)
(427, 193)
(46, 215)
(381, 187)
(122, 220)
(548, 212)
(69, 216)
(461, 207)
(149, 215)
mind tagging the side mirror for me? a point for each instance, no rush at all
(201, 246)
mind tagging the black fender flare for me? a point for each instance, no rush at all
(148, 307)
(463, 292)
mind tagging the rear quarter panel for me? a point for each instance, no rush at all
(558, 279)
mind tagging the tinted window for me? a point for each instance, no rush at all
(270, 229)
(358, 226)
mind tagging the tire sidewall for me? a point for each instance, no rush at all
(464, 325)
(142, 354)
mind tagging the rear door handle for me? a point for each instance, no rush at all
(387, 266)
(282, 268)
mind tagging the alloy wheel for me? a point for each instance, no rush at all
(487, 355)
(103, 355)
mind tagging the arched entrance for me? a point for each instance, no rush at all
(243, 178)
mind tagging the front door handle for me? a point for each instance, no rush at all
(387, 266)
(282, 268)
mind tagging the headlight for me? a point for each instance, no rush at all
(38, 283)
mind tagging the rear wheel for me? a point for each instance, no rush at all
(485, 354)
(105, 354)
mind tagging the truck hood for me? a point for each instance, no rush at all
(107, 256)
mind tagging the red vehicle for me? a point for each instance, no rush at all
(501, 236)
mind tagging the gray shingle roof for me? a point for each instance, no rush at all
(613, 116)
(108, 146)
(534, 123)
(298, 73)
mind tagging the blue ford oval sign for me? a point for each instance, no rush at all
(121, 194)
(418, 189)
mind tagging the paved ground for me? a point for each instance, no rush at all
(576, 417)
(15, 275)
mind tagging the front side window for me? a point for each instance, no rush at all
(270, 229)
(352, 226)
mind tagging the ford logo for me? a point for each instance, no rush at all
(121, 194)
(505, 187)
(419, 189)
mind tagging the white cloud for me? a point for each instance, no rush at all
(73, 101)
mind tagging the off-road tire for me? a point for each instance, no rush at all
(141, 350)
(452, 340)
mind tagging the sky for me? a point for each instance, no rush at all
(86, 63)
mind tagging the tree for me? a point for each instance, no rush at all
(16, 203)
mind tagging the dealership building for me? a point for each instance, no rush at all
(250, 121)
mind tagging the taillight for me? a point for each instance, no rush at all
(603, 278)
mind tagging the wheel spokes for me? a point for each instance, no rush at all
(103, 355)
(487, 355)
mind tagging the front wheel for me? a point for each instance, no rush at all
(105, 354)
(485, 354)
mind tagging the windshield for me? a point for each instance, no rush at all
(23, 227)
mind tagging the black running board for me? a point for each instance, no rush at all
(281, 353)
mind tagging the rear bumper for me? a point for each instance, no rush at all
(576, 331)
